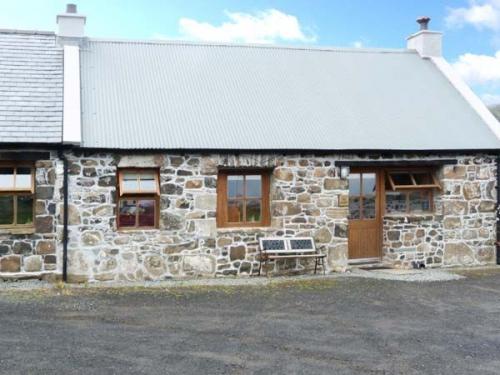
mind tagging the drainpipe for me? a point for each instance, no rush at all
(65, 215)
(498, 210)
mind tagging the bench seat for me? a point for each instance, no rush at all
(295, 256)
(290, 248)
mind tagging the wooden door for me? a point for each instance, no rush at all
(365, 232)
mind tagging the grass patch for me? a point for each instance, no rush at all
(270, 286)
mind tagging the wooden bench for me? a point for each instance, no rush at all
(276, 248)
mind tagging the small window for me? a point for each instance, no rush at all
(139, 182)
(16, 196)
(412, 180)
(243, 199)
(139, 192)
(410, 191)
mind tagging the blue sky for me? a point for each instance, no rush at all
(471, 27)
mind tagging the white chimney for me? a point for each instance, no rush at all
(70, 36)
(426, 43)
(71, 24)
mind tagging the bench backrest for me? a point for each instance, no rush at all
(287, 245)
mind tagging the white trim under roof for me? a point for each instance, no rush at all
(473, 100)
(72, 131)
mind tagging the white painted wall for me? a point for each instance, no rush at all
(72, 130)
(426, 43)
(71, 25)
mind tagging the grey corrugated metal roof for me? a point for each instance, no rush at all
(177, 95)
(31, 87)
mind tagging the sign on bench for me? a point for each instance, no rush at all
(282, 248)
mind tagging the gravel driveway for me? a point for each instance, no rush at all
(329, 326)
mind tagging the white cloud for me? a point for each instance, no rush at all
(267, 26)
(484, 14)
(491, 99)
(357, 44)
(479, 69)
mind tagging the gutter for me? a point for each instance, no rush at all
(62, 156)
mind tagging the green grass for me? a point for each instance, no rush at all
(61, 290)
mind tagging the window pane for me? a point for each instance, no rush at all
(369, 207)
(354, 184)
(23, 178)
(369, 192)
(420, 201)
(148, 182)
(235, 186)
(395, 202)
(254, 186)
(6, 178)
(401, 179)
(253, 210)
(369, 184)
(6, 210)
(130, 182)
(235, 211)
(24, 209)
(127, 213)
(147, 213)
(354, 208)
(423, 178)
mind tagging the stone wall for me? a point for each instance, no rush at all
(34, 251)
(462, 230)
(307, 199)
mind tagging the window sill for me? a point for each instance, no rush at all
(29, 230)
(246, 229)
(411, 216)
(136, 230)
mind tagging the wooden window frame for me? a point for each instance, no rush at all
(411, 172)
(222, 198)
(15, 192)
(156, 176)
(138, 195)
(408, 189)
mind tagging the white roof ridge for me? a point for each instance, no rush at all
(250, 45)
(27, 32)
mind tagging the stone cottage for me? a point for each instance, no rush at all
(145, 160)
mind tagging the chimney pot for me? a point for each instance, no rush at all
(423, 22)
(70, 8)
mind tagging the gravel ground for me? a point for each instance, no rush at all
(336, 325)
(425, 275)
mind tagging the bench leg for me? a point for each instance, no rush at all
(260, 265)
(315, 265)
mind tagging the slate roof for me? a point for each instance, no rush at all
(180, 95)
(31, 87)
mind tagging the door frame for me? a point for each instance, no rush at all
(380, 205)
